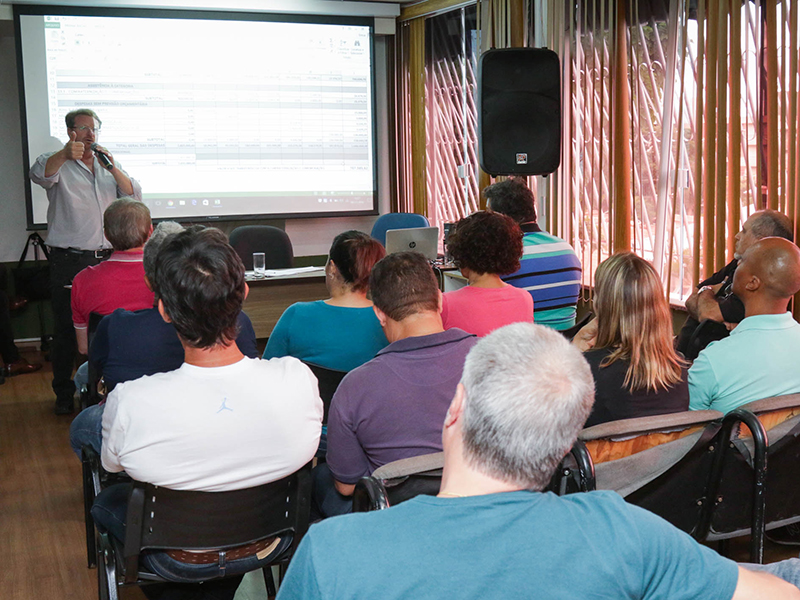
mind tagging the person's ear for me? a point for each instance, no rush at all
(163, 311)
(439, 301)
(752, 284)
(456, 408)
(382, 318)
(246, 290)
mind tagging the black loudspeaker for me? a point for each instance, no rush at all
(519, 111)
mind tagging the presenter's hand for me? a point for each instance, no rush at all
(107, 153)
(73, 150)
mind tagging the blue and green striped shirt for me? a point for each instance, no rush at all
(551, 271)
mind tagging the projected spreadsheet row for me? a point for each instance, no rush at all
(321, 125)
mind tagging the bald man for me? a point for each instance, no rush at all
(759, 359)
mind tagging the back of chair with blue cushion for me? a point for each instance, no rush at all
(397, 221)
(273, 242)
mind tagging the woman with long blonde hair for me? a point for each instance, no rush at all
(629, 345)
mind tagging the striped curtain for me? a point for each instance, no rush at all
(680, 119)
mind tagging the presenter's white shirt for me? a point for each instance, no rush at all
(214, 429)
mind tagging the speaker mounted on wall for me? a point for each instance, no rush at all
(519, 111)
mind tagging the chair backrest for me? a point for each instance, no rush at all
(757, 477)
(661, 463)
(396, 221)
(159, 518)
(273, 242)
(410, 477)
(706, 332)
(93, 396)
(329, 380)
(404, 479)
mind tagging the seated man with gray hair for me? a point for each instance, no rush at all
(491, 533)
(130, 344)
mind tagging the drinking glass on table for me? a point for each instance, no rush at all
(259, 264)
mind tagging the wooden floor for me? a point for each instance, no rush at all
(41, 503)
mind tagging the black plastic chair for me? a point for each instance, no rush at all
(404, 479)
(707, 331)
(756, 476)
(661, 463)
(329, 380)
(95, 479)
(273, 242)
(163, 519)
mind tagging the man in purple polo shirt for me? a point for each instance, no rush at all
(393, 406)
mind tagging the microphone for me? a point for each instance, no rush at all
(101, 156)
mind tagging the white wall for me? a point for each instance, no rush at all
(309, 236)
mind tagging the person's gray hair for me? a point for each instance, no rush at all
(151, 248)
(528, 394)
(772, 223)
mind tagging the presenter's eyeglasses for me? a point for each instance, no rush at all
(85, 128)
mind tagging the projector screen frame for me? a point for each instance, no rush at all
(197, 14)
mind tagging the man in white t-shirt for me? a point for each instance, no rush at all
(221, 421)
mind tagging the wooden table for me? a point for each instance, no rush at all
(269, 297)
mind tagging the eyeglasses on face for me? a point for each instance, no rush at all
(84, 128)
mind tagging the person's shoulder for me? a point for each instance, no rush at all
(594, 356)
(284, 368)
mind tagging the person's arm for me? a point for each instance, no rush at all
(80, 318)
(113, 432)
(82, 337)
(754, 585)
(346, 458)
(278, 342)
(125, 185)
(587, 336)
(72, 150)
(703, 384)
(708, 304)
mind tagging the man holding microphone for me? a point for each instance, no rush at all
(81, 181)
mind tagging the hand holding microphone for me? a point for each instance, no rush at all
(103, 156)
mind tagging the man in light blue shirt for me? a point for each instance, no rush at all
(759, 359)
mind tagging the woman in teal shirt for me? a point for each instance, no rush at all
(341, 332)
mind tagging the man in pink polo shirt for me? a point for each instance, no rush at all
(119, 281)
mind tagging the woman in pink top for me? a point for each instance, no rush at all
(486, 245)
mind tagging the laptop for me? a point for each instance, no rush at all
(424, 240)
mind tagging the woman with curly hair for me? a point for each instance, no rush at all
(629, 347)
(486, 245)
(341, 332)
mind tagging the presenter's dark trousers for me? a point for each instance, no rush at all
(64, 265)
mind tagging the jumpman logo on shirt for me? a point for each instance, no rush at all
(223, 406)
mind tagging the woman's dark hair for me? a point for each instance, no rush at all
(513, 198)
(486, 242)
(355, 253)
(200, 280)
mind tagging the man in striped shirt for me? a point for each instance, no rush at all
(549, 268)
